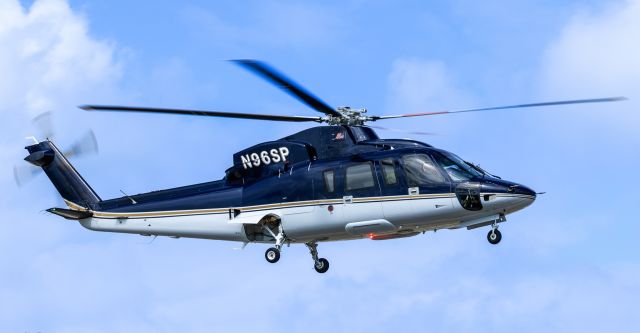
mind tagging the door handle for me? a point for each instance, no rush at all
(414, 190)
(347, 199)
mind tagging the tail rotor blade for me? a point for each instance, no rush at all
(44, 124)
(86, 145)
(23, 174)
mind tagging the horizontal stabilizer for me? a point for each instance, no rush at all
(70, 214)
(41, 157)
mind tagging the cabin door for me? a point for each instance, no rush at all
(361, 199)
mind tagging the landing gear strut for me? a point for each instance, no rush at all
(321, 265)
(494, 236)
(273, 253)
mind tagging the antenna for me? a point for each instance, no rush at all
(130, 198)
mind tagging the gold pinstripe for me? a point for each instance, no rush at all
(271, 206)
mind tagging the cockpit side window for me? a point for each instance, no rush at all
(420, 170)
(457, 169)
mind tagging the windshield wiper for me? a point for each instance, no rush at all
(481, 170)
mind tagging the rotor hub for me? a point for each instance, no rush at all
(348, 116)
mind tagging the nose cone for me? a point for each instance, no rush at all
(510, 197)
(521, 189)
(524, 197)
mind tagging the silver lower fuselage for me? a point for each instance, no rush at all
(318, 220)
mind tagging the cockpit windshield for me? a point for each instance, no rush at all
(457, 168)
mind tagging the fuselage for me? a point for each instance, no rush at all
(397, 191)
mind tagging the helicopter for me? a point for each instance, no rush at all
(336, 181)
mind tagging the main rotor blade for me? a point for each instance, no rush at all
(272, 75)
(200, 113)
(517, 106)
(402, 131)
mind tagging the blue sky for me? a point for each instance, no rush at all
(567, 263)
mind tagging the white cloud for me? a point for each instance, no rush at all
(597, 54)
(48, 61)
(48, 58)
(417, 85)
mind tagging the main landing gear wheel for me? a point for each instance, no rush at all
(272, 255)
(322, 265)
(494, 236)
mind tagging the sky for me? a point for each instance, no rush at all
(569, 262)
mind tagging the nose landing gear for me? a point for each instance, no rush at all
(494, 236)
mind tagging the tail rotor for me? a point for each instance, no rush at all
(85, 145)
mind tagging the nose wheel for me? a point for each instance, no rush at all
(494, 236)
(321, 265)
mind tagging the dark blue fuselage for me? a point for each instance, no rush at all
(306, 180)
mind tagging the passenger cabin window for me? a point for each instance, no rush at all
(388, 171)
(359, 176)
(329, 182)
(421, 171)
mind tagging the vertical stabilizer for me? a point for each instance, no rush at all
(72, 187)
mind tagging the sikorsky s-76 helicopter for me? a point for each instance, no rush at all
(334, 182)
